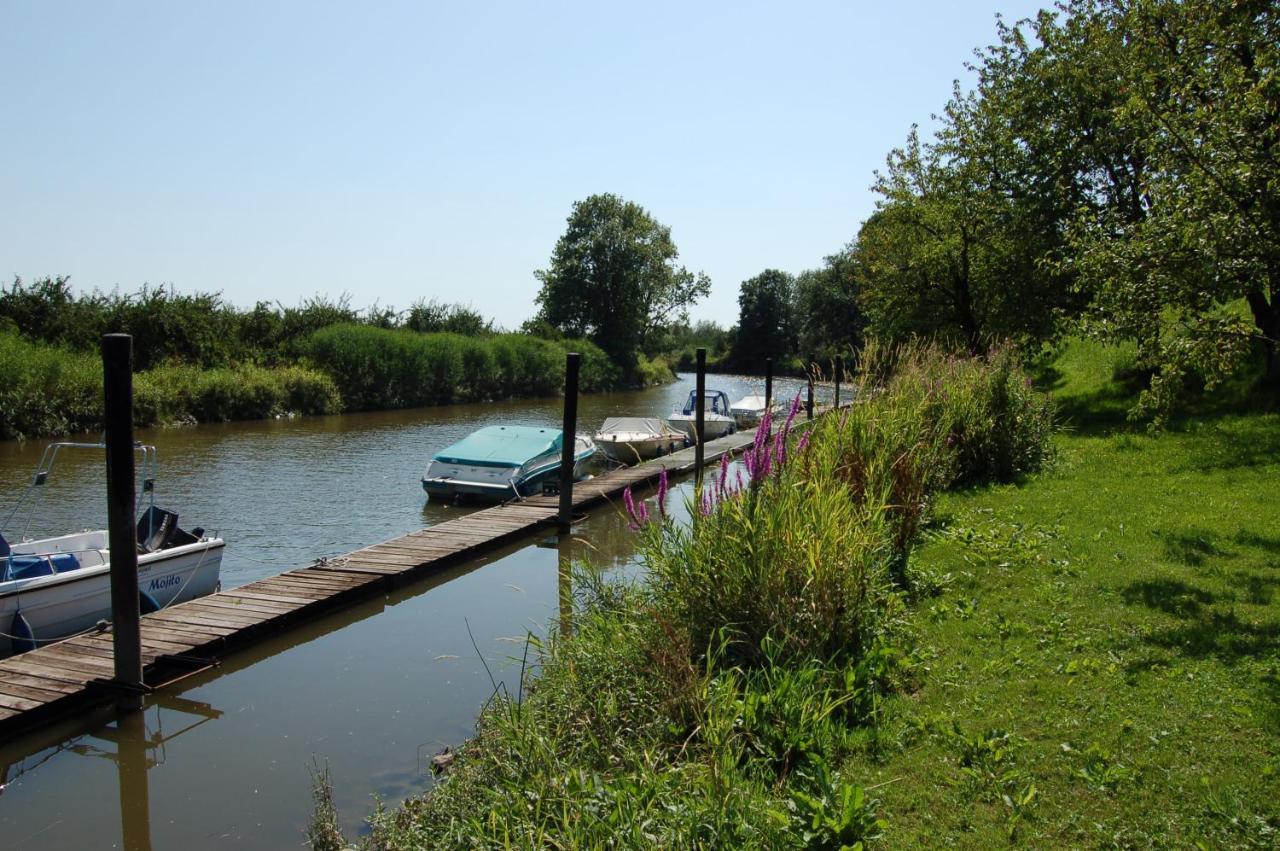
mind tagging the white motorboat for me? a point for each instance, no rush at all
(51, 588)
(498, 463)
(749, 410)
(634, 439)
(716, 419)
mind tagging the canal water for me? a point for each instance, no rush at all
(223, 758)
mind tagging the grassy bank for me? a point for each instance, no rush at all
(1102, 643)
(716, 702)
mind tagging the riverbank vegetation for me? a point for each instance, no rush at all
(200, 360)
(898, 632)
(715, 701)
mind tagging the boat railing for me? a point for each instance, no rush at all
(87, 557)
(146, 471)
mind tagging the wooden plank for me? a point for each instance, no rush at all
(362, 567)
(45, 683)
(29, 692)
(163, 648)
(297, 590)
(226, 624)
(50, 668)
(20, 703)
(196, 637)
(68, 658)
(220, 602)
(336, 583)
(273, 596)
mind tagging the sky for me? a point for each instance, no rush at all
(396, 151)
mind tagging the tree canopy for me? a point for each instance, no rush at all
(1118, 162)
(613, 278)
(766, 319)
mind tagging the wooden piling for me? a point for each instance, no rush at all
(768, 384)
(568, 439)
(117, 374)
(699, 417)
(810, 371)
(839, 374)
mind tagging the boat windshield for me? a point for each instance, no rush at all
(713, 401)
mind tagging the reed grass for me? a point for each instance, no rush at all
(378, 368)
(49, 391)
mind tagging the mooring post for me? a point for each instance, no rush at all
(568, 439)
(126, 631)
(839, 373)
(699, 417)
(809, 403)
(768, 384)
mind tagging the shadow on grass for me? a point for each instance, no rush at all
(1266, 543)
(1204, 632)
(1191, 547)
(1171, 596)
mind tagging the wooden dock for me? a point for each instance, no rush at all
(59, 679)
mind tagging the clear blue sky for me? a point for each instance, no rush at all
(275, 150)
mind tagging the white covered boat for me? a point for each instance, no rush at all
(498, 463)
(749, 410)
(51, 588)
(634, 439)
(716, 419)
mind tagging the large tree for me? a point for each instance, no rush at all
(613, 278)
(766, 325)
(829, 320)
(1201, 102)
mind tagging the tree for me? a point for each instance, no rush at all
(613, 278)
(1202, 104)
(829, 320)
(766, 324)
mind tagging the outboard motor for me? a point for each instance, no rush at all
(156, 528)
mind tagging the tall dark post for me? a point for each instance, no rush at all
(117, 373)
(700, 416)
(839, 374)
(568, 439)
(809, 403)
(768, 383)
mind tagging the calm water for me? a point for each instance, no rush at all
(222, 759)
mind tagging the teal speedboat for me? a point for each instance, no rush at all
(498, 463)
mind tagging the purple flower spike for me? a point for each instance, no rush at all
(804, 443)
(706, 506)
(662, 493)
(637, 511)
(724, 475)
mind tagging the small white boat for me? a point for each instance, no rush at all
(498, 463)
(634, 439)
(716, 419)
(749, 410)
(52, 588)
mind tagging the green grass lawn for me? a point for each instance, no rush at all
(1100, 645)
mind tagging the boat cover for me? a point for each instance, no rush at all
(501, 446)
(637, 425)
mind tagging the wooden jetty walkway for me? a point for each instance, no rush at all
(61, 678)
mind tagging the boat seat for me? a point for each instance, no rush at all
(31, 566)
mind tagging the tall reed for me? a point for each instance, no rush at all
(378, 368)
